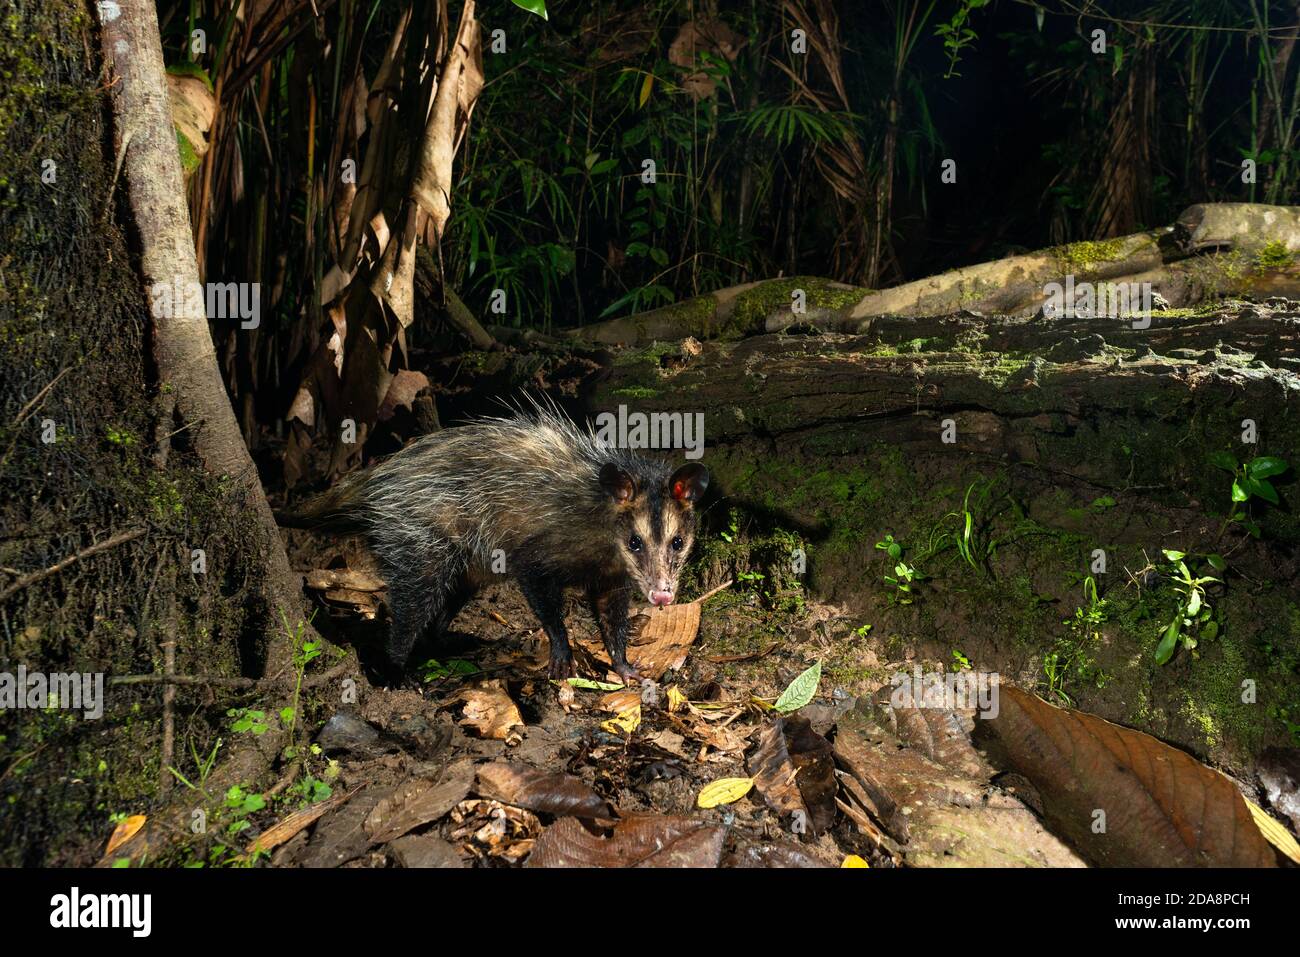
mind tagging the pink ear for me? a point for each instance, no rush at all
(689, 483)
(619, 485)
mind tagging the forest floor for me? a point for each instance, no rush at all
(480, 760)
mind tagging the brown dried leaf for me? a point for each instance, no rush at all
(418, 802)
(490, 712)
(124, 832)
(324, 579)
(298, 821)
(542, 791)
(193, 109)
(643, 840)
(794, 769)
(1163, 808)
(665, 637)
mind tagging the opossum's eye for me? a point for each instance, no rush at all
(677, 543)
(634, 543)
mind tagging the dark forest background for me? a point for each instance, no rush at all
(769, 162)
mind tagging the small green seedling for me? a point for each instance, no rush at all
(1250, 480)
(1194, 618)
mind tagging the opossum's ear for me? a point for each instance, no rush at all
(689, 483)
(620, 486)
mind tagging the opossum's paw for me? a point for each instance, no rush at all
(562, 668)
(629, 674)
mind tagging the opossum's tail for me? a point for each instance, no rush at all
(332, 511)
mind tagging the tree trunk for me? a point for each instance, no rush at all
(145, 143)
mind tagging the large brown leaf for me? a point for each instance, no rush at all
(794, 770)
(1161, 807)
(544, 791)
(643, 840)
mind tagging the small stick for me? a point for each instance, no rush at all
(34, 577)
(169, 716)
(709, 594)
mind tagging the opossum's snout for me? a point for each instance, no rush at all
(663, 597)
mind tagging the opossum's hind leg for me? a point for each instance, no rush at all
(420, 594)
(546, 599)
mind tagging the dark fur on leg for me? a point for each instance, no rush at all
(546, 599)
(609, 605)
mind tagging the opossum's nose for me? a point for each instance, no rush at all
(658, 597)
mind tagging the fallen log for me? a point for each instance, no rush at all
(1213, 250)
(1069, 442)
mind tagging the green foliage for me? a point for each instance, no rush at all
(957, 34)
(1072, 656)
(434, 670)
(905, 578)
(1193, 617)
(1250, 481)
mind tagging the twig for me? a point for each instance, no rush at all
(36, 399)
(118, 539)
(169, 716)
(226, 681)
(709, 594)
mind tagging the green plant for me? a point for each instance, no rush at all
(435, 670)
(1250, 480)
(1193, 617)
(240, 804)
(306, 652)
(1072, 658)
(905, 576)
(960, 661)
(203, 765)
(971, 539)
(248, 720)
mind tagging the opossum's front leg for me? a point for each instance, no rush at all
(546, 599)
(609, 607)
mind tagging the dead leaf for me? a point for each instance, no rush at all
(1162, 807)
(542, 791)
(794, 769)
(724, 791)
(124, 832)
(643, 840)
(490, 712)
(298, 821)
(419, 801)
(323, 579)
(193, 109)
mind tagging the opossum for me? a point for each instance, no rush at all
(531, 496)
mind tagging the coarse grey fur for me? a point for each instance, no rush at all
(531, 496)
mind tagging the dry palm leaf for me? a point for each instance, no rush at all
(418, 802)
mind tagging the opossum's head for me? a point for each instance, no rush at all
(655, 524)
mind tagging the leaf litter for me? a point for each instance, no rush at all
(696, 769)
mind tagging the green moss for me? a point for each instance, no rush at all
(1274, 255)
(753, 306)
(635, 392)
(1083, 255)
